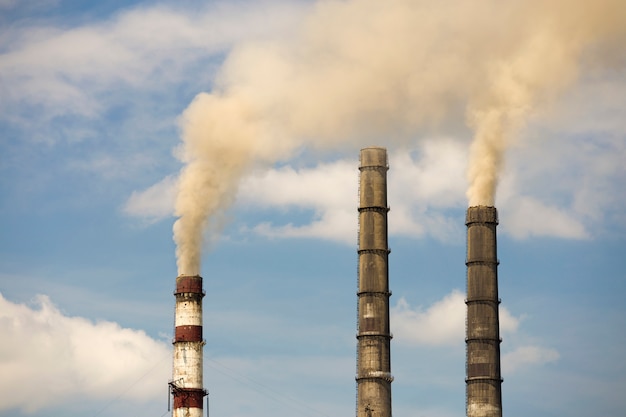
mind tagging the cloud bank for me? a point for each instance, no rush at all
(124, 75)
(426, 195)
(443, 324)
(53, 358)
(525, 356)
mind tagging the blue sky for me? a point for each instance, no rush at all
(94, 130)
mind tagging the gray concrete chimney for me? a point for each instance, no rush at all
(483, 382)
(373, 353)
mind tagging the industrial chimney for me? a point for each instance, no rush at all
(373, 352)
(186, 385)
(483, 382)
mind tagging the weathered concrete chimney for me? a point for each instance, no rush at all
(186, 385)
(373, 353)
(483, 382)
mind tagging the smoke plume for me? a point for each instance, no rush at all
(363, 70)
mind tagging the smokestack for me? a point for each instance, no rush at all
(373, 352)
(186, 385)
(483, 382)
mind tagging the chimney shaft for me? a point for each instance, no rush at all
(373, 351)
(186, 385)
(483, 382)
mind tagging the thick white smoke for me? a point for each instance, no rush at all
(555, 38)
(361, 70)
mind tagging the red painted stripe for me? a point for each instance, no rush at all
(189, 284)
(188, 397)
(188, 334)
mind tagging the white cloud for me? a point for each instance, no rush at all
(433, 174)
(111, 166)
(154, 203)
(333, 225)
(442, 323)
(60, 357)
(330, 190)
(426, 188)
(564, 187)
(77, 70)
(593, 106)
(565, 177)
(527, 355)
(526, 217)
(417, 187)
(423, 184)
(326, 185)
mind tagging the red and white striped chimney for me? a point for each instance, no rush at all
(186, 385)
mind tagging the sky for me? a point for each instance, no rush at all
(119, 118)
